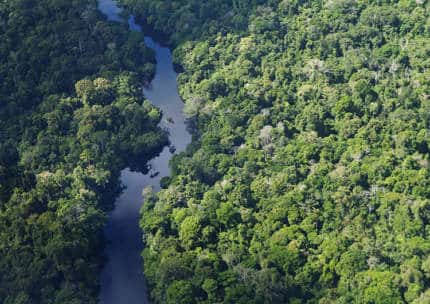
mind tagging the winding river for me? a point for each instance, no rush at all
(122, 279)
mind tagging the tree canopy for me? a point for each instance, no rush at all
(308, 178)
(72, 115)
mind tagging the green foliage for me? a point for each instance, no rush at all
(308, 181)
(61, 151)
(180, 292)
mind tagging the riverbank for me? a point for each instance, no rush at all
(122, 279)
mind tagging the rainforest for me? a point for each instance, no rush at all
(307, 180)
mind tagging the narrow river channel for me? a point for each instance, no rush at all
(122, 279)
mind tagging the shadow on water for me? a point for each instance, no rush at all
(122, 279)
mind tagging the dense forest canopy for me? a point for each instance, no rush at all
(72, 115)
(308, 180)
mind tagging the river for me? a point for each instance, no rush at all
(122, 279)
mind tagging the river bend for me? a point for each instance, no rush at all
(122, 279)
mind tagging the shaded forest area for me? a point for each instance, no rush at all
(72, 115)
(308, 180)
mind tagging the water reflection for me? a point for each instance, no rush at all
(122, 280)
